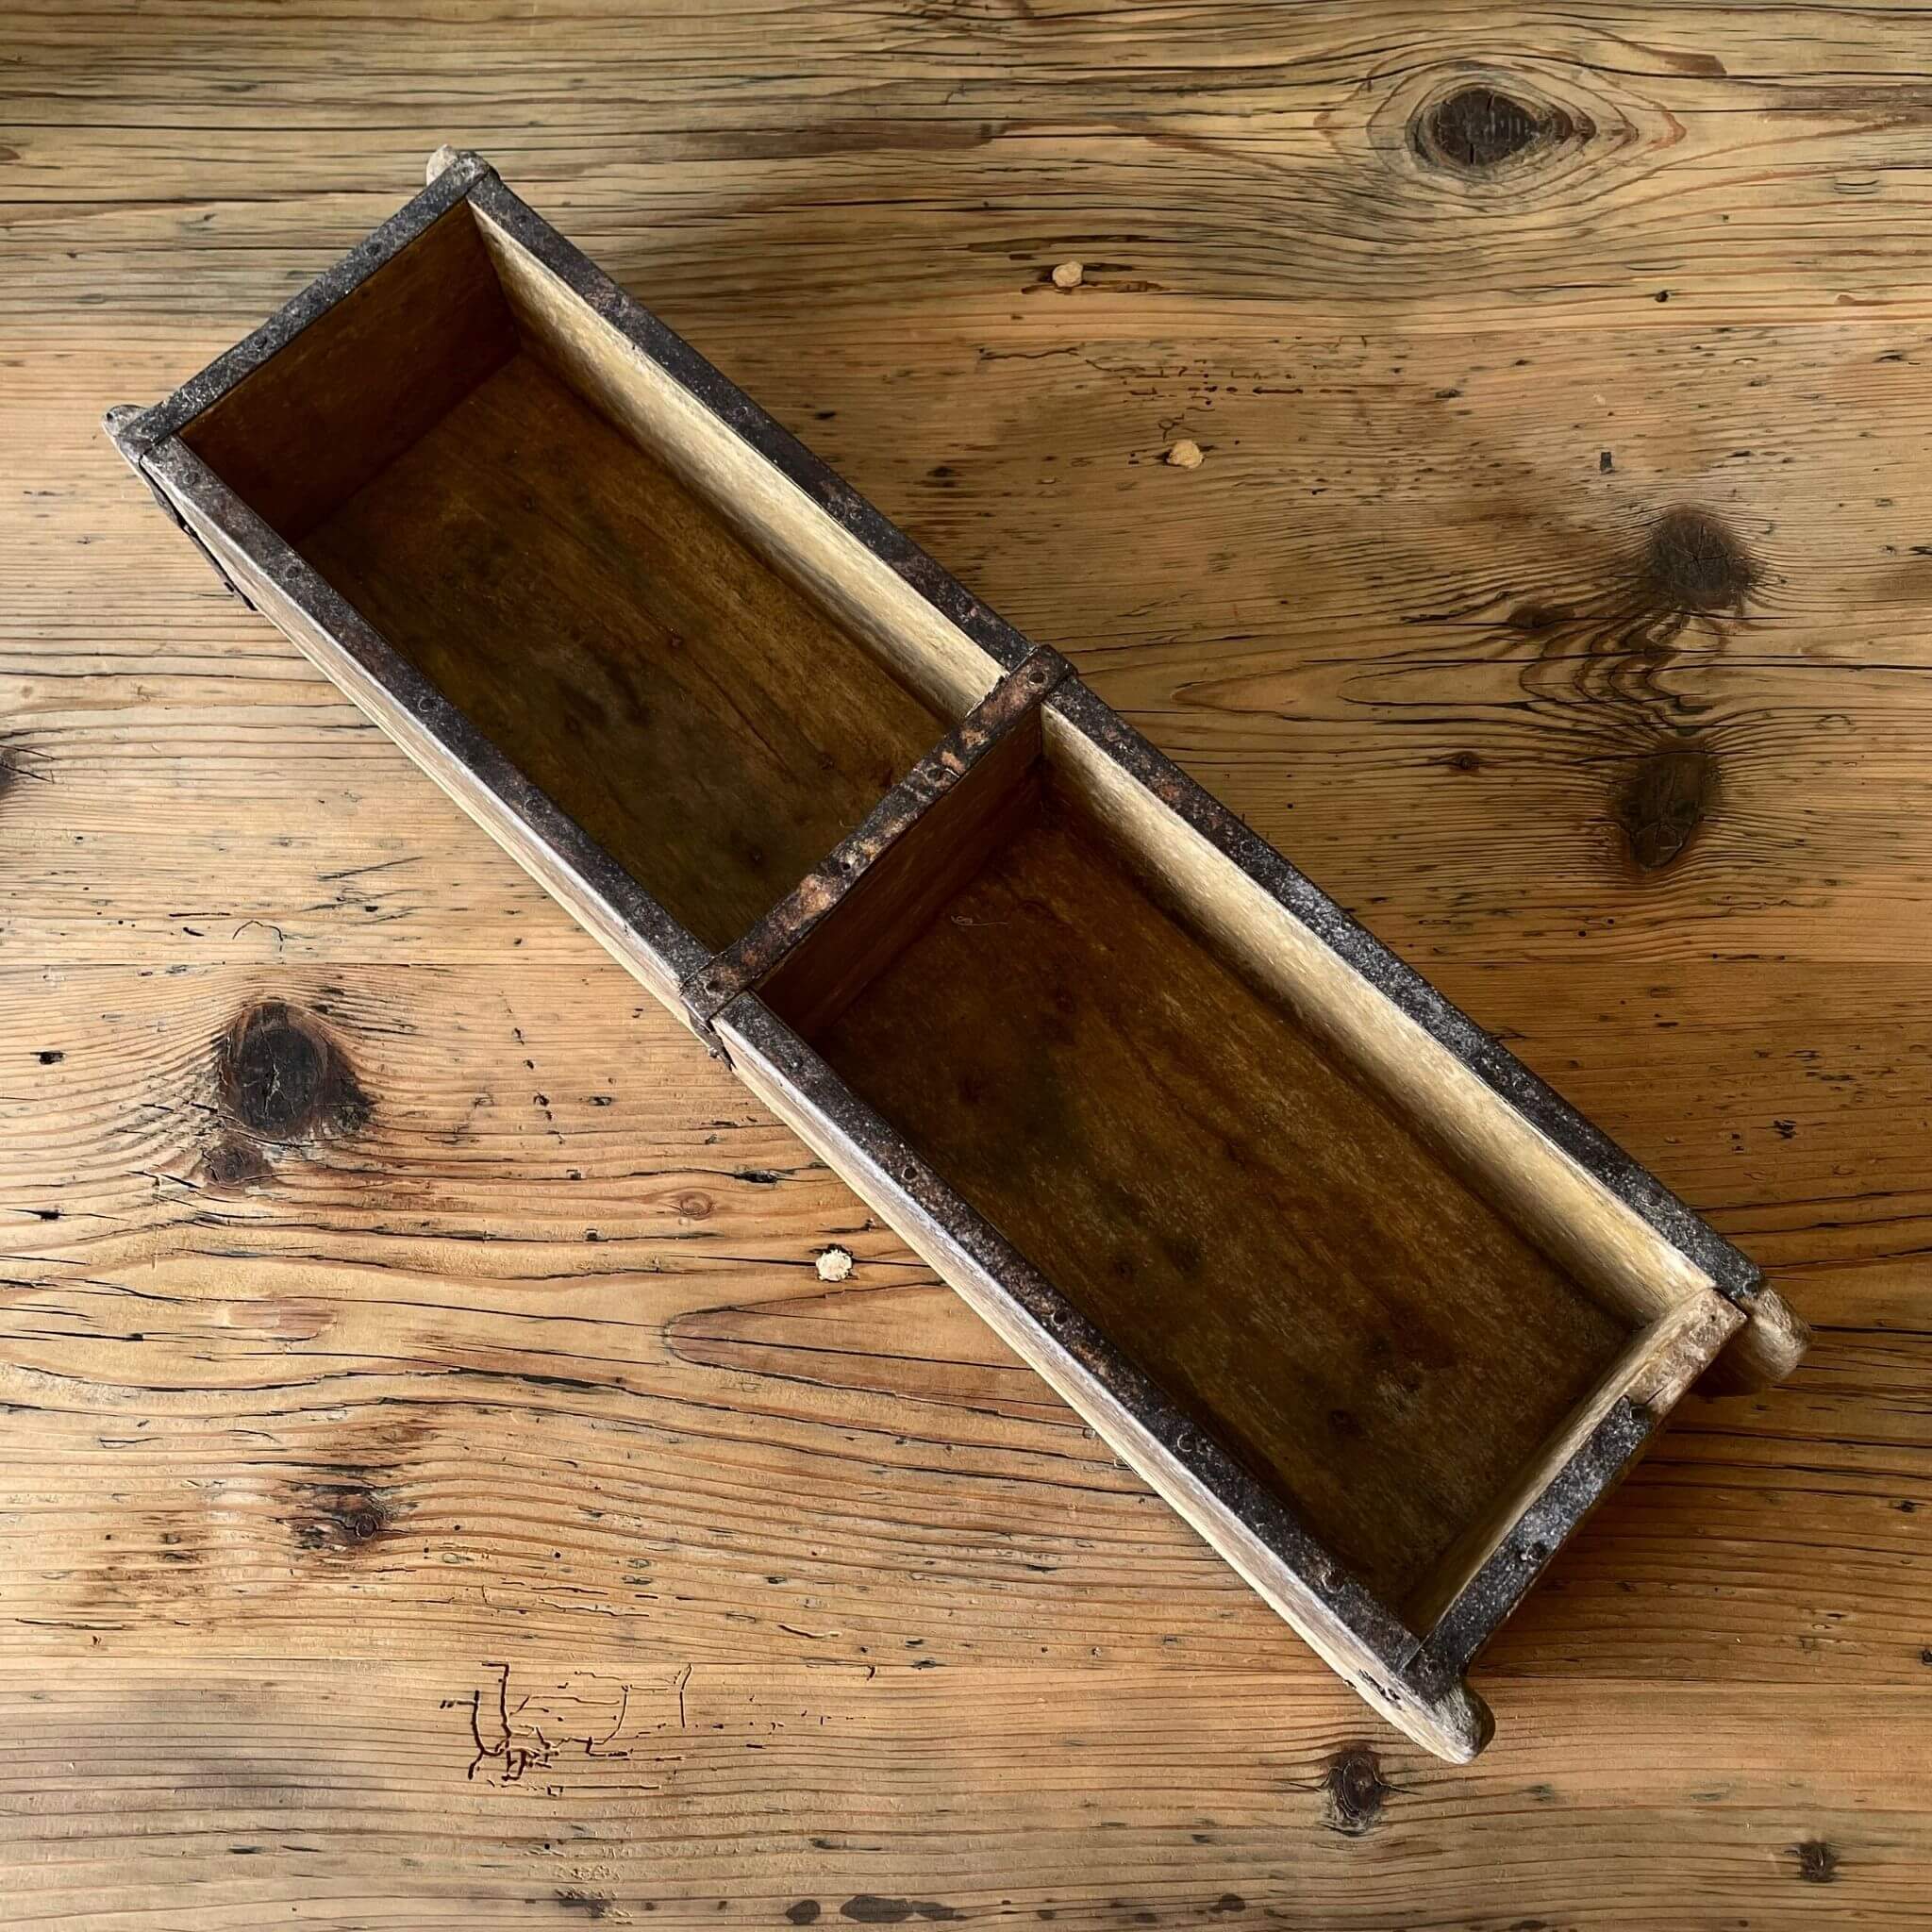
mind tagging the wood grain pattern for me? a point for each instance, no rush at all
(1180, 1158)
(699, 718)
(319, 420)
(1718, 1691)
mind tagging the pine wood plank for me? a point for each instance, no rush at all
(189, 817)
(504, 1792)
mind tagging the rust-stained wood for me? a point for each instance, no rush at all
(909, 885)
(1746, 1014)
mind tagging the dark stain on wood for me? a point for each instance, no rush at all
(1226, 1904)
(1677, 586)
(1661, 801)
(1705, 66)
(1477, 128)
(17, 762)
(1818, 1862)
(1687, 567)
(805, 1913)
(1356, 1791)
(282, 1078)
(870, 1909)
(1693, 564)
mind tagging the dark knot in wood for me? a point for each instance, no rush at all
(1477, 129)
(282, 1078)
(1356, 1791)
(1661, 801)
(1817, 1861)
(1692, 562)
(339, 1516)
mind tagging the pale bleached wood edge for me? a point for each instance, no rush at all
(518, 235)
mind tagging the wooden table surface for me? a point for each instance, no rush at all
(439, 1488)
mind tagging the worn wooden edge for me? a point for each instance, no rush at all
(437, 735)
(1731, 1271)
(1347, 1623)
(1605, 1457)
(1767, 1349)
(652, 339)
(1485, 1573)
(137, 434)
(757, 953)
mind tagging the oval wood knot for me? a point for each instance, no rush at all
(1692, 562)
(282, 1078)
(1661, 802)
(339, 1518)
(1356, 1789)
(1477, 128)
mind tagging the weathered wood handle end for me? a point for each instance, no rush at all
(117, 419)
(1763, 1353)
